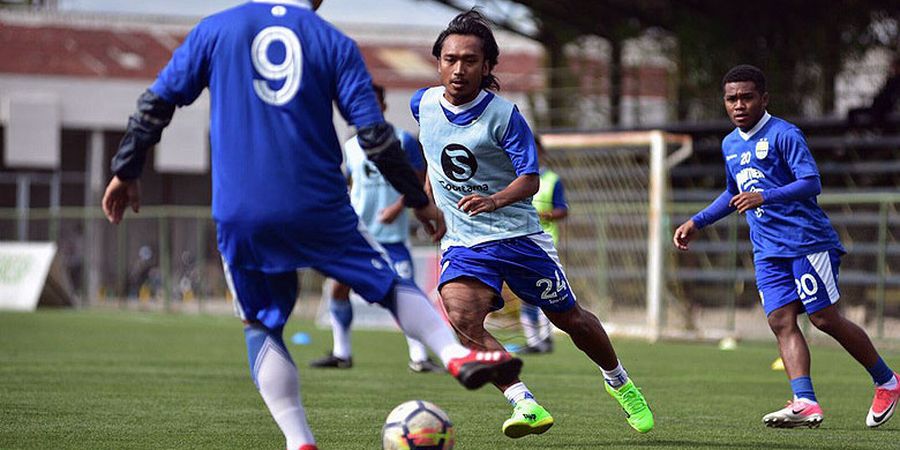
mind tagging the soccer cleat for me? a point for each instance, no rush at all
(797, 413)
(883, 405)
(545, 346)
(308, 447)
(478, 368)
(426, 366)
(527, 418)
(632, 401)
(331, 361)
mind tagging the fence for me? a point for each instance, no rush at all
(166, 258)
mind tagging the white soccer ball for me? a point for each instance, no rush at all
(417, 425)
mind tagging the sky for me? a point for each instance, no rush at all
(425, 12)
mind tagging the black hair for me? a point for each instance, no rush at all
(746, 72)
(379, 90)
(473, 23)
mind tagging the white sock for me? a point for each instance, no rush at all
(535, 325)
(340, 334)
(517, 393)
(417, 350)
(617, 377)
(890, 384)
(279, 386)
(811, 402)
(529, 326)
(419, 320)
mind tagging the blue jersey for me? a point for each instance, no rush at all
(371, 193)
(478, 148)
(274, 69)
(771, 155)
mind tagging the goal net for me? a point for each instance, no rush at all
(614, 241)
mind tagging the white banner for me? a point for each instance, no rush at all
(24, 271)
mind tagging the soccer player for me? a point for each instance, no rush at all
(380, 208)
(771, 177)
(482, 172)
(550, 204)
(280, 201)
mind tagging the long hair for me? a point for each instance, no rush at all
(473, 23)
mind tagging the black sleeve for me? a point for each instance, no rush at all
(145, 128)
(382, 148)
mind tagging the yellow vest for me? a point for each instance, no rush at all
(543, 202)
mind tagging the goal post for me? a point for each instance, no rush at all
(617, 185)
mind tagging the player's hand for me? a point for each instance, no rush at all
(119, 195)
(389, 215)
(433, 220)
(475, 204)
(746, 201)
(684, 234)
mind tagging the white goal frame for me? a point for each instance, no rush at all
(661, 162)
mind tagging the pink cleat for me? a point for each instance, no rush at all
(883, 405)
(797, 413)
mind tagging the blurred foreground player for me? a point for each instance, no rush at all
(772, 177)
(280, 201)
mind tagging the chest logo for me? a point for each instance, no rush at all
(762, 148)
(458, 163)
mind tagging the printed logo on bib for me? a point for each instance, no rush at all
(458, 163)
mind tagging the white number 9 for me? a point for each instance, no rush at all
(288, 70)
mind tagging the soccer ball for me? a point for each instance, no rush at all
(417, 425)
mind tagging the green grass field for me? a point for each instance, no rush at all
(91, 379)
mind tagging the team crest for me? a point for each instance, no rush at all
(762, 148)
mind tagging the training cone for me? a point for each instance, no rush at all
(728, 344)
(778, 364)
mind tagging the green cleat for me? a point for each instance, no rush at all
(528, 418)
(636, 409)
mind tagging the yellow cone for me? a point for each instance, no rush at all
(778, 364)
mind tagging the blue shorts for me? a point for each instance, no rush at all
(812, 280)
(401, 258)
(270, 297)
(529, 265)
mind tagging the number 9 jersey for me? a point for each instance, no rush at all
(273, 70)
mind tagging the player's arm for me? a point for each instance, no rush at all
(178, 84)
(717, 210)
(560, 208)
(518, 142)
(357, 103)
(144, 130)
(414, 154)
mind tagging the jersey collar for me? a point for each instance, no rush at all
(464, 107)
(762, 122)
(301, 3)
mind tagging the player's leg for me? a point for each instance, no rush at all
(366, 269)
(264, 302)
(419, 361)
(537, 329)
(468, 300)
(338, 298)
(777, 290)
(817, 285)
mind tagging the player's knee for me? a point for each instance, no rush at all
(827, 323)
(781, 322)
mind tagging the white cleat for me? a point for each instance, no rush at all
(797, 413)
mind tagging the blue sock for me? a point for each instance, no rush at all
(342, 311)
(880, 372)
(803, 388)
(260, 338)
